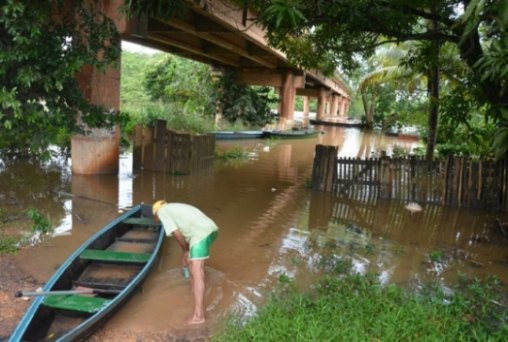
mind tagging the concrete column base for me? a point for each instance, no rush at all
(95, 154)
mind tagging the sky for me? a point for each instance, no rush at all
(132, 47)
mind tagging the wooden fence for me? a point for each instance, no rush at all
(159, 149)
(459, 181)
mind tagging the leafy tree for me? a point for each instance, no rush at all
(189, 85)
(186, 94)
(132, 90)
(43, 44)
(327, 34)
(386, 84)
(243, 103)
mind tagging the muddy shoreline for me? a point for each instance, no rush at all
(12, 280)
(12, 309)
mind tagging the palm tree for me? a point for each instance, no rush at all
(386, 68)
(439, 68)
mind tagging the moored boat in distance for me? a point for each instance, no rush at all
(232, 135)
(404, 133)
(95, 281)
(338, 122)
(293, 134)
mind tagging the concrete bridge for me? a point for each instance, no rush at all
(218, 33)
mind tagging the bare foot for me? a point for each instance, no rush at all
(194, 321)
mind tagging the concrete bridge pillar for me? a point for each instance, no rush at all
(342, 106)
(98, 152)
(306, 109)
(287, 99)
(321, 103)
(335, 105)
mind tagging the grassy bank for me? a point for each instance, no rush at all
(353, 307)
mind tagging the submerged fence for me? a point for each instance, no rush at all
(159, 149)
(459, 181)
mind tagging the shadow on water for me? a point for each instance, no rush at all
(270, 223)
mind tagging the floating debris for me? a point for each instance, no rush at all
(413, 207)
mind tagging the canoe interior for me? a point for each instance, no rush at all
(136, 237)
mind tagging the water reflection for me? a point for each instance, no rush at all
(355, 144)
(271, 225)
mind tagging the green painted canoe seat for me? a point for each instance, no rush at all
(74, 302)
(115, 256)
(140, 221)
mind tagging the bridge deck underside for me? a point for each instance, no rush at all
(223, 36)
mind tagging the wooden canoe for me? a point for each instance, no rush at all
(111, 264)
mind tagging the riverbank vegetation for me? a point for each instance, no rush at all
(41, 58)
(452, 56)
(443, 71)
(187, 94)
(345, 306)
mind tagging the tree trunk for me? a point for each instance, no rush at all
(433, 90)
(433, 94)
(368, 107)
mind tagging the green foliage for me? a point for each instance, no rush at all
(132, 91)
(436, 256)
(40, 56)
(40, 223)
(3, 215)
(333, 34)
(284, 279)
(189, 86)
(181, 100)
(493, 63)
(8, 245)
(247, 104)
(283, 14)
(236, 152)
(353, 307)
(500, 144)
(185, 94)
(148, 113)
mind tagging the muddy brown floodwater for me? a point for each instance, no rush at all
(270, 224)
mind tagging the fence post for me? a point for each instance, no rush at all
(137, 147)
(385, 178)
(324, 171)
(159, 163)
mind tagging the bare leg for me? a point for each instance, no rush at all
(197, 272)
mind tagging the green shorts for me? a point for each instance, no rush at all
(201, 249)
